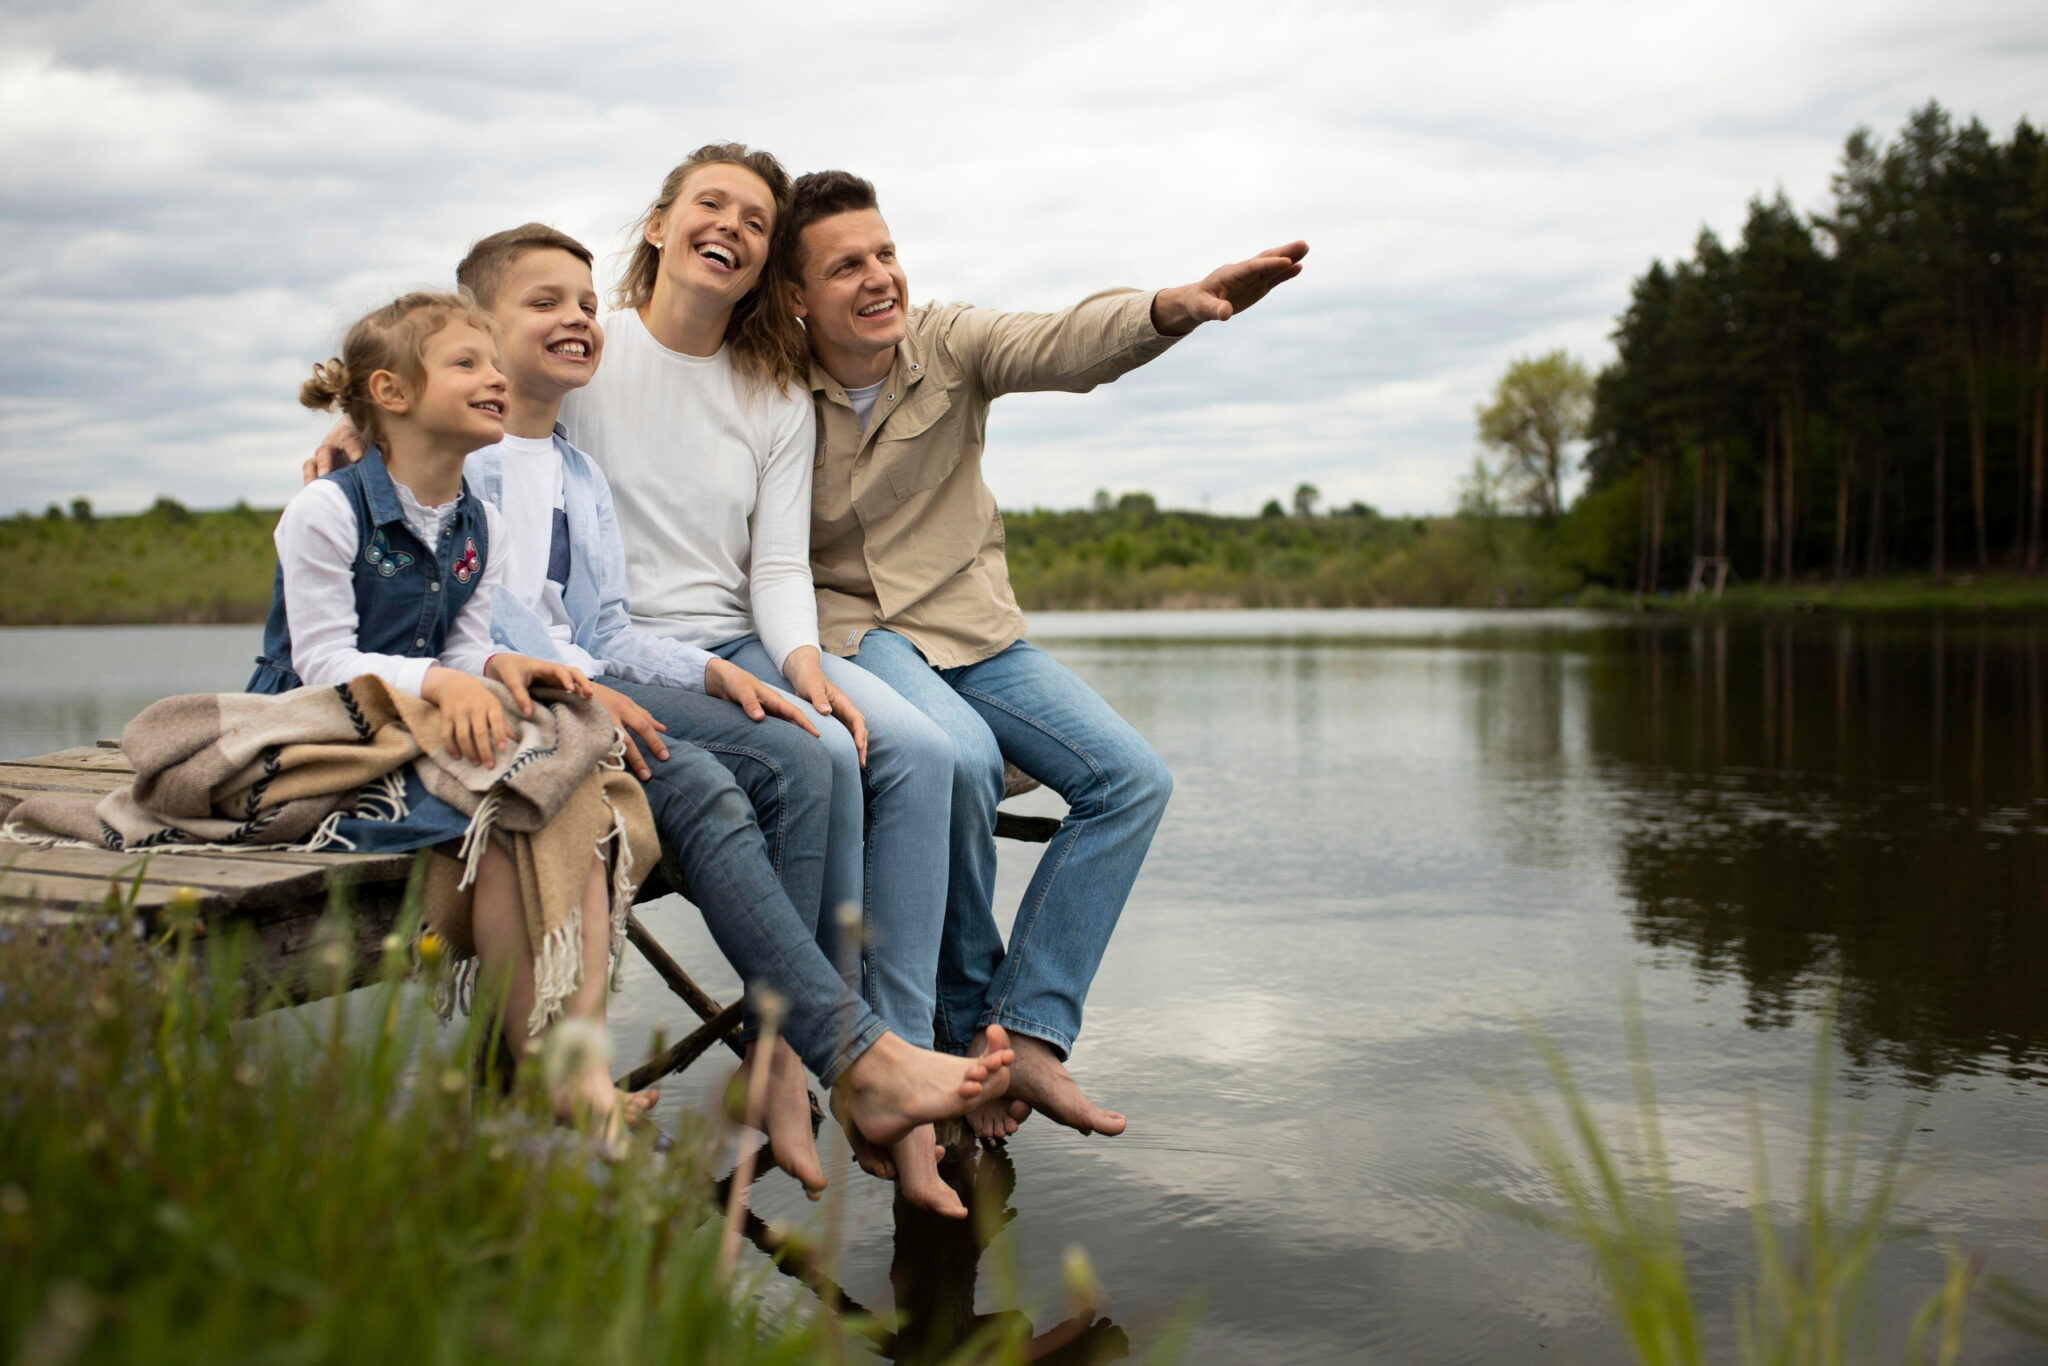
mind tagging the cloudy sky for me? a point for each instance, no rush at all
(198, 198)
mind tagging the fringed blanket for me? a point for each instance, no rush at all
(232, 770)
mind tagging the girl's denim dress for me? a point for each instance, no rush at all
(407, 595)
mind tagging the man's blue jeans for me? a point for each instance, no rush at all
(743, 808)
(1024, 705)
(895, 870)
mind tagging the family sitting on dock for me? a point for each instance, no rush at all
(744, 512)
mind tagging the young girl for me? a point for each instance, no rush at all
(385, 568)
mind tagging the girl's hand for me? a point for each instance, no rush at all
(519, 672)
(476, 722)
(807, 676)
(633, 719)
(723, 678)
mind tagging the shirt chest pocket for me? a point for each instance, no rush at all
(917, 447)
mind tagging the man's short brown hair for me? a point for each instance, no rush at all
(483, 270)
(816, 195)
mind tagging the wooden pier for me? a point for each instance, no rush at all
(284, 896)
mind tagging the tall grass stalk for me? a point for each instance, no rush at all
(1805, 1305)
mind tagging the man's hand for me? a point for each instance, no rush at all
(723, 678)
(807, 676)
(475, 720)
(633, 719)
(1225, 291)
(343, 445)
(519, 672)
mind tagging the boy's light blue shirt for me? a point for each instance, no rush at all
(595, 595)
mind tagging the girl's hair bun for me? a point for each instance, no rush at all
(326, 387)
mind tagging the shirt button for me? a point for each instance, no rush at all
(434, 587)
(419, 642)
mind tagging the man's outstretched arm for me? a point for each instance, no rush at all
(1225, 291)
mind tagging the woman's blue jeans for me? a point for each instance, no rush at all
(743, 810)
(1023, 704)
(895, 871)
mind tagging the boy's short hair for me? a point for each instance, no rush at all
(816, 195)
(483, 270)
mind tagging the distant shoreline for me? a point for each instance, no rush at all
(175, 566)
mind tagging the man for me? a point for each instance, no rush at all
(907, 557)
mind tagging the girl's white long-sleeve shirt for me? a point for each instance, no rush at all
(317, 540)
(712, 481)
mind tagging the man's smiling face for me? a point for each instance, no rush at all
(851, 293)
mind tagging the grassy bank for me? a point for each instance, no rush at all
(1904, 594)
(174, 565)
(169, 564)
(179, 1187)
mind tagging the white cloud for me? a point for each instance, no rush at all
(196, 201)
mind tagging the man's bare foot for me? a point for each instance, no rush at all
(895, 1086)
(1041, 1080)
(787, 1121)
(917, 1174)
(995, 1119)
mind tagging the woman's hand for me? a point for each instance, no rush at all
(806, 676)
(723, 678)
(633, 719)
(519, 672)
(475, 720)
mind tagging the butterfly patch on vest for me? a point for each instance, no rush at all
(466, 567)
(379, 553)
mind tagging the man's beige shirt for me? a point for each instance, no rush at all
(904, 531)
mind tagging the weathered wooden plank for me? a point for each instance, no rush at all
(26, 778)
(1031, 829)
(681, 1054)
(91, 758)
(248, 883)
(63, 890)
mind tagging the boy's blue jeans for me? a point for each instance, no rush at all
(743, 807)
(1024, 704)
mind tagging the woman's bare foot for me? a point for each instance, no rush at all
(1041, 1080)
(917, 1174)
(895, 1086)
(787, 1120)
(996, 1119)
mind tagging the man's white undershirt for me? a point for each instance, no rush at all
(863, 400)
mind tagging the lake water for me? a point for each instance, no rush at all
(1396, 839)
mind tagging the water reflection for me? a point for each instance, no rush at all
(934, 1273)
(1795, 801)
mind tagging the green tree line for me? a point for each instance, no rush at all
(1853, 392)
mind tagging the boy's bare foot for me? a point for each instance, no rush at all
(998, 1118)
(1041, 1080)
(917, 1174)
(895, 1086)
(787, 1121)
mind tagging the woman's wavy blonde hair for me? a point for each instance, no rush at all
(767, 341)
(392, 338)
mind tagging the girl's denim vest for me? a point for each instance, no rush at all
(407, 594)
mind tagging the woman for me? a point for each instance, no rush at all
(701, 420)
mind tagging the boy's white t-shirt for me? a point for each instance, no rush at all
(711, 479)
(316, 541)
(531, 502)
